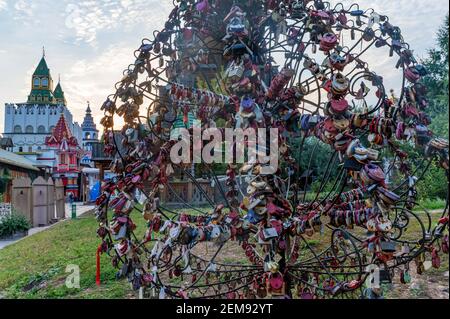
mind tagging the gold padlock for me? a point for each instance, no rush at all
(246, 201)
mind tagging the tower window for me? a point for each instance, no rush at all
(17, 129)
(44, 82)
(41, 129)
(29, 129)
(36, 82)
(88, 136)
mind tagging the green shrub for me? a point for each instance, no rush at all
(432, 204)
(433, 185)
(12, 224)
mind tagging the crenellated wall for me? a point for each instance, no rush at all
(29, 124)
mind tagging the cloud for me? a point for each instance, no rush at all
(93, 79)
(87, 18)
(24, 8)
(3, 5)
(25, 89)
(417, 19)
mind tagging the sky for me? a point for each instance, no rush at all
(89, 43)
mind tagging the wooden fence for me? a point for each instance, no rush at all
(41, 201)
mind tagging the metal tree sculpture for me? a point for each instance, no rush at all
(292, 65)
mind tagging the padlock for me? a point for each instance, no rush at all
(235, 71)
(352, 34)
(371, 247)
(357, 14)
(444, 244)
(276, 285)
(385, 276)
(306, 293)
(435, 259)
(420, 268)
(374, 18)
(405, 249)
(319, 4)
(405, 276)
(236, 26)
(388, 246)
(368, 34)
(298, 8)
(261, 291)
(328, 42)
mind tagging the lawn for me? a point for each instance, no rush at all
(35, 266)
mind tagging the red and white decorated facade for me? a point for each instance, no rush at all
(64, 155)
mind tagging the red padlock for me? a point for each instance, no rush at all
(444, 244)
(435, 259)
(328, 42)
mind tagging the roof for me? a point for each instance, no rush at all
(58, 93)
(6, 142)
(61, 134)
(45, 93)
(88, 122)
(42, 92)
(89, 170)
(16, 160)
(42, 68)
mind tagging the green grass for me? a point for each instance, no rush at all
(40, 262)
(432, 204)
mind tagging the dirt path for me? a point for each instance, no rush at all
(433, 284)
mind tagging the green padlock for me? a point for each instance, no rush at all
(183, 6)
(406, 276)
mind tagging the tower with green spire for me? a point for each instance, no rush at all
(30, 122)
(41, 85)
(58, 94)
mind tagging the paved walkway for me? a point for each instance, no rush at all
(81, 209)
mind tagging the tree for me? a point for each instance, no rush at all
(433, 184)
(437, 81)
